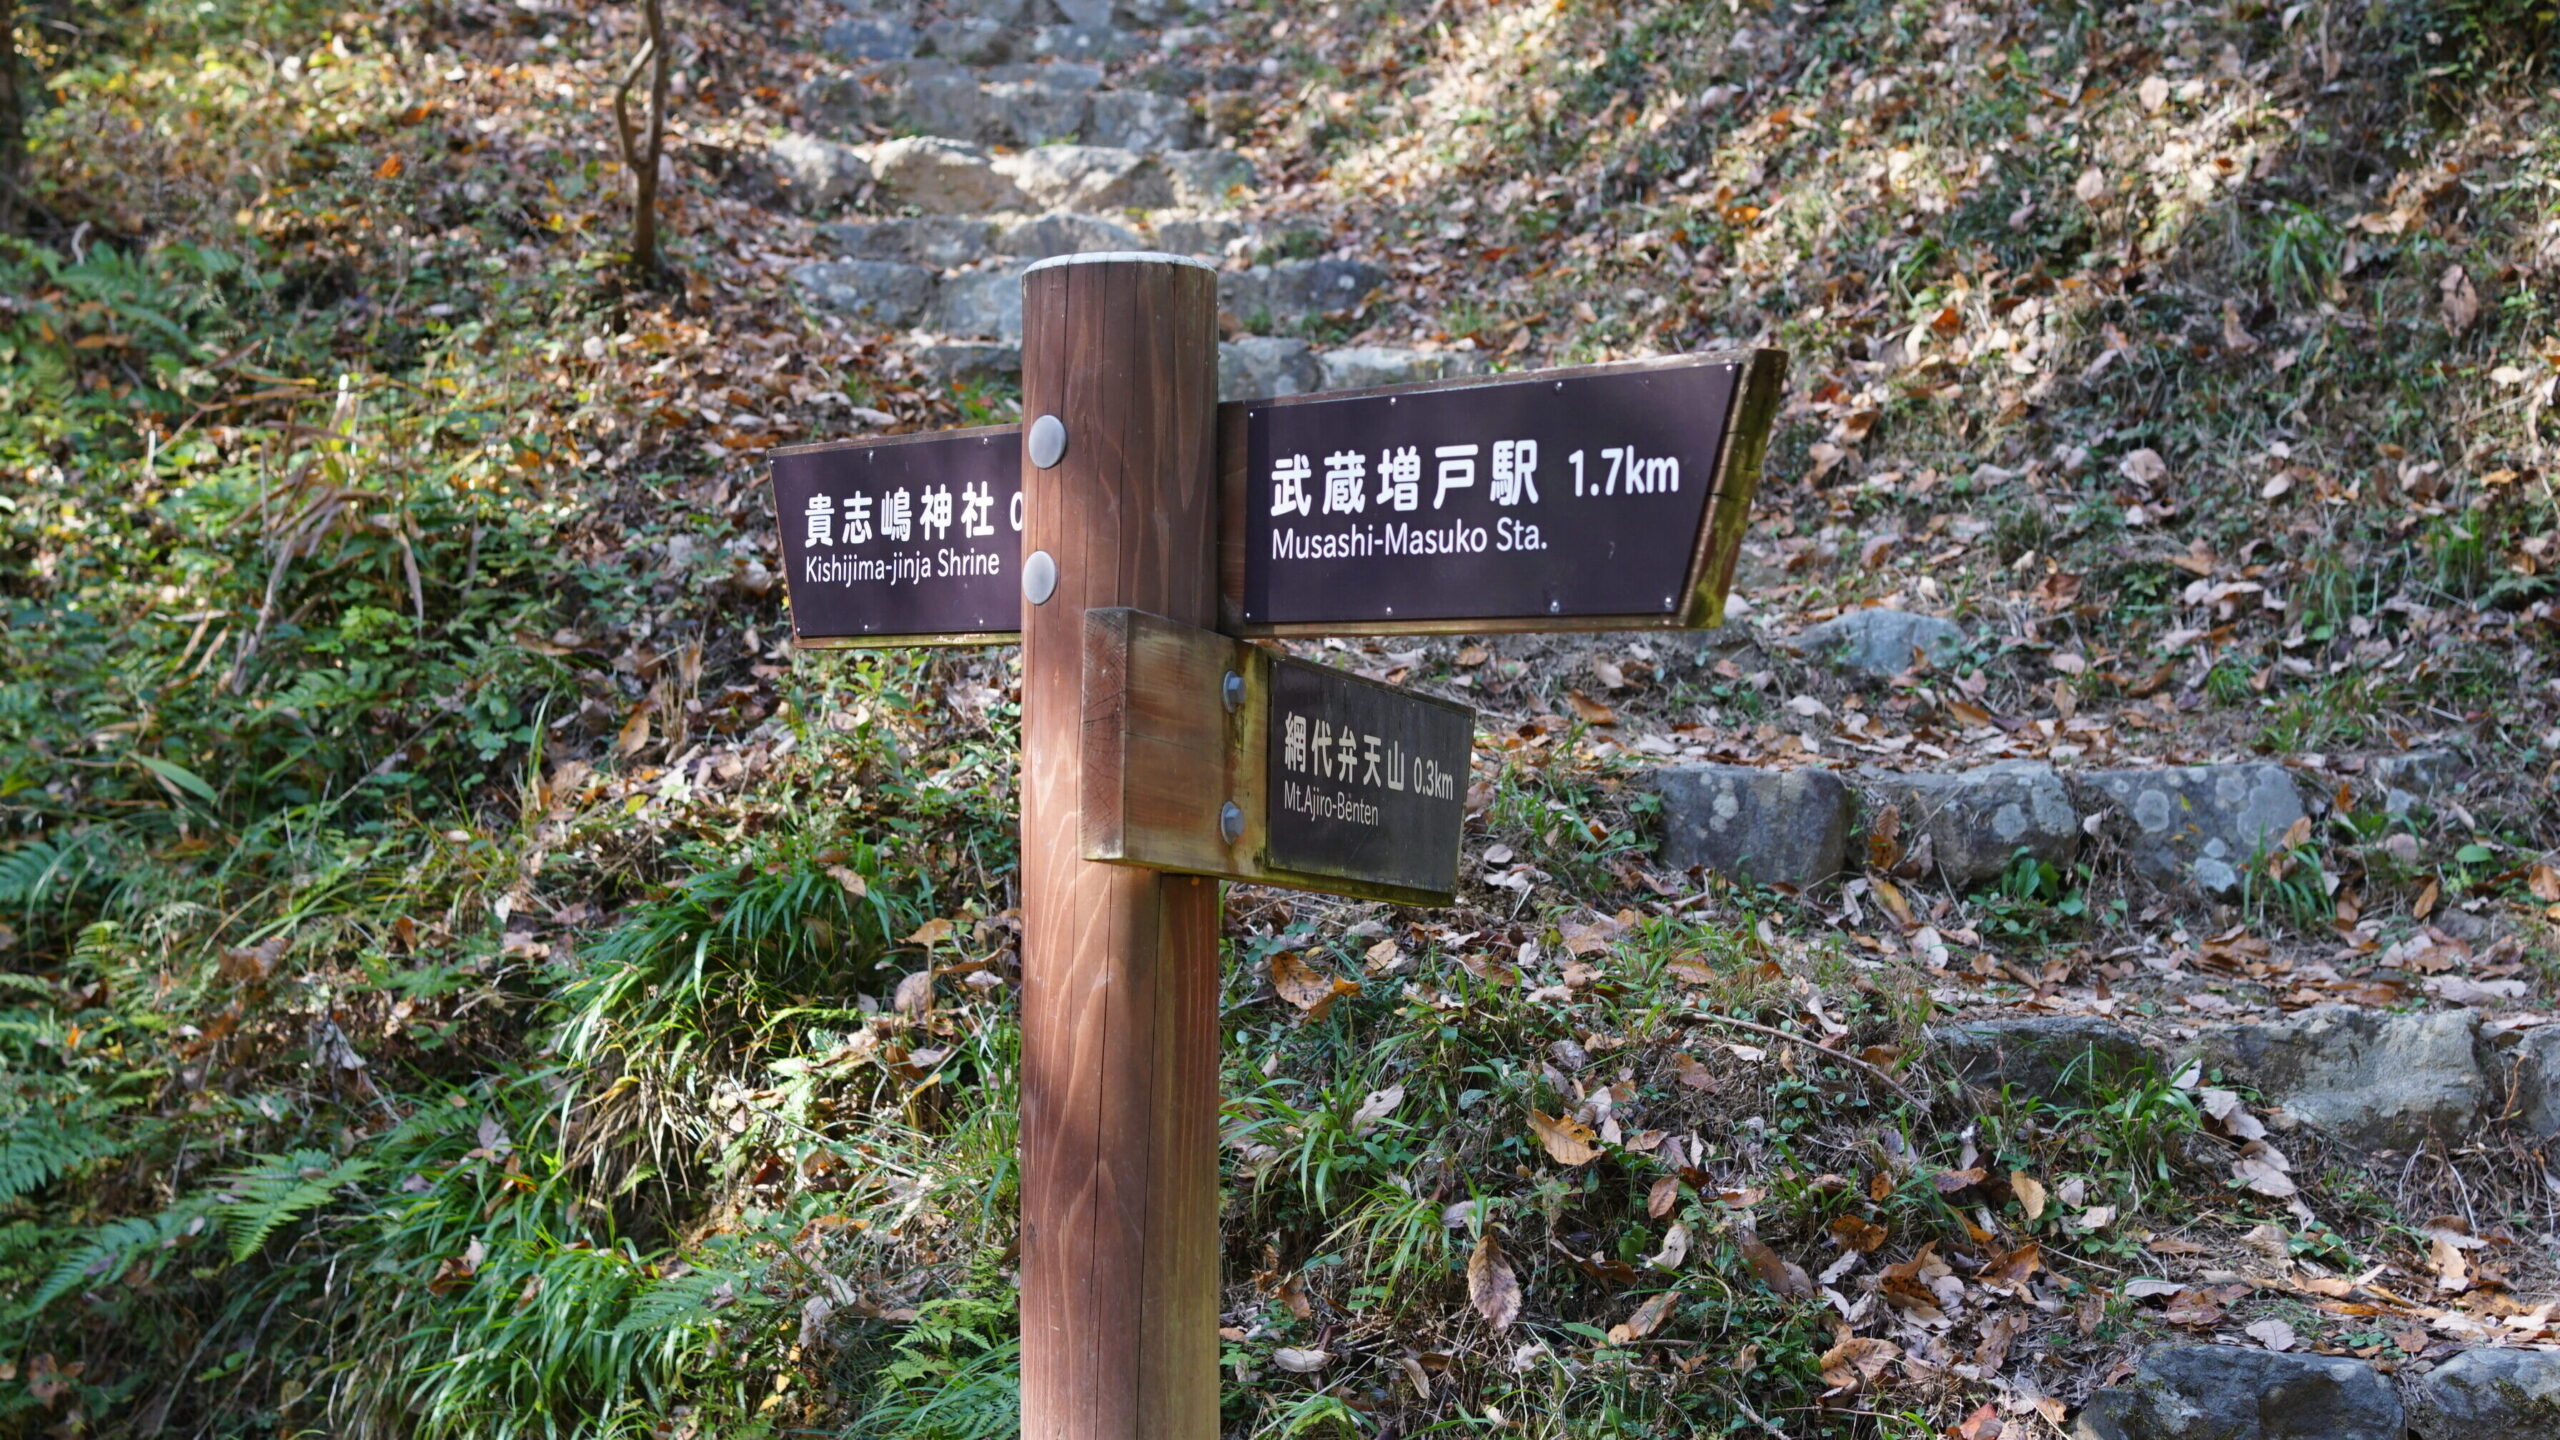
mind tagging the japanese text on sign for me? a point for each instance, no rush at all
(1528, 498)
(902, 537)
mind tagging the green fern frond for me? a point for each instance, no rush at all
(28, 871)
(112, 1251)
(40, 1145)
(256, 1202)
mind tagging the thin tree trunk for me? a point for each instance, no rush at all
(643, 160)
(13, 121)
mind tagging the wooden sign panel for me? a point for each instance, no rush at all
(1377, 812)
(1366, 781)
(908, 540)
(1606, 497)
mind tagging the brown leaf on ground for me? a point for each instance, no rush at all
(1775, 1271)
(1690, 1072)
(1312, 991)
(1491, 1287)
(2458, 300)
(2030, 1193)
(1567, 1140)
(1884, 839)
(1647, 1319)
(1299, 1362)
(1857, 1362)
(1591, 711)
(1665, 1194)
(1904, 1286)
(1863, 1236)
(2011, 1272)
(2196, 1309)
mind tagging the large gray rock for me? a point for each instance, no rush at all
(2048, 1057)
(945, 242)
(1003, 12)
(1360, 366)
(970, 39)
(1206, 179)
(883, 292)
(1203, 235)
(1773, 827)
(971, 359)
(1141, 120)
(817, 175)
(1875, 645)
(2414, 777)
(869, 37)
(1085, 177)
(1096, 13)
(1977, 821)
(2489, 1395)
(944, 177)
(2195, 826)
(2224, 1392)
(1064, 234)
(1093, 44)
(1296, 290)
(942, 98)
(981, 302)
(2374, 1080)
(2533, 1071)
(1258, 366)
(1036, 110)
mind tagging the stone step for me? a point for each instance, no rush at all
(1025, 103)
(996, 29)
(894, 276)
(938, 175)
(2372, 1080)
(2186, 829)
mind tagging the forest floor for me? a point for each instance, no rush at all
(462, 973)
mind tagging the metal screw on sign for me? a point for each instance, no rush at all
(1048, 441)
(1039, 577)
(1231, 822)
(1231, 690)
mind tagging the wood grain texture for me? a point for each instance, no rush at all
(1119, 1078)
(1163, 755)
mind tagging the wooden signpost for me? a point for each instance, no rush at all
(1136, 535)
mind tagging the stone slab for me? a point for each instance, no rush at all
(1772, 827)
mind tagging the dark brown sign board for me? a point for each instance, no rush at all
(1337, 783)
(905, 540)
(1599, 497)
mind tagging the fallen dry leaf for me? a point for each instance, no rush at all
(1568, 1140)
(1775, 1271)
(1856, 1362)
(2272, 1333)
(1299, 1362)
(1312, 991)
(1665, 1194)
(2030, 1193)
(1863, 1236)
(1591, 711)
(1647, 1319)
(1379, 1105)
(1675, 1249)
(1491, 1287)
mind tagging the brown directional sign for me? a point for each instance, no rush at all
(1297, 775)
(908, 540)
(1604, 497)
(1365, 781)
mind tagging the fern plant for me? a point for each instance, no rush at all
(253, 1203)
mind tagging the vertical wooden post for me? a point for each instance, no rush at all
(1120, 965)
